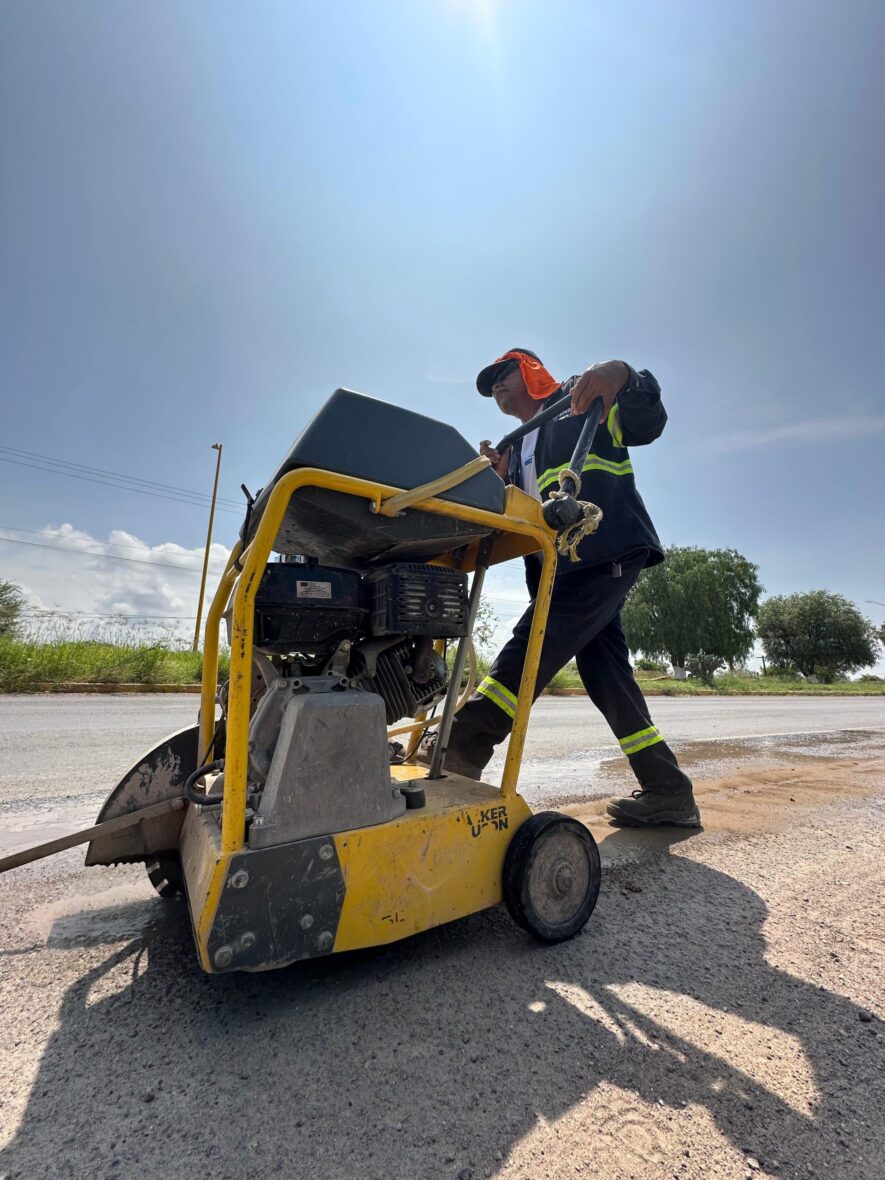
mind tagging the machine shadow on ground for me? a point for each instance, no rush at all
(441, 1053)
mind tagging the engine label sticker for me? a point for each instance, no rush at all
(494, 817)
(313, 589)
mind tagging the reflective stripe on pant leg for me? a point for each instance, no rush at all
(494, 691)
(635, 742)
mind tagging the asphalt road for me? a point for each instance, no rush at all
(69, 750)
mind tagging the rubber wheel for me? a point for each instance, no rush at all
(552, 876)
(165, 876)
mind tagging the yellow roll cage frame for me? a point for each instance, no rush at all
(519, 529)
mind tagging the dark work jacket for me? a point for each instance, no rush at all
(637, 417)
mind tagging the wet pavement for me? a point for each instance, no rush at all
(593, 774)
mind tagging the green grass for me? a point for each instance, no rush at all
(32, 665)
(567, 682)
(29, 666)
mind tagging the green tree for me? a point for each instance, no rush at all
(704, 666)
(11, 603)
(486, 623)
(817, 634)
(697, 601)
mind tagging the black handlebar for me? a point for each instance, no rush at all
(527, 427)
(563, 512)
(582, 447)
(591, 421)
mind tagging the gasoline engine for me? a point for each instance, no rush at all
(339, 656)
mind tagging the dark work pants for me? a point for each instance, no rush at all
(584, 624)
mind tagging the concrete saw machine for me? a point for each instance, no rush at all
(295, 816)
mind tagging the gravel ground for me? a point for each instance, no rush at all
(721, 1015)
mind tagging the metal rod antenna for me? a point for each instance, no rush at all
(215, 447)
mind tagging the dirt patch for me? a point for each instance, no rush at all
(767, 799)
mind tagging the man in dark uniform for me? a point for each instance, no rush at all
(584, 623)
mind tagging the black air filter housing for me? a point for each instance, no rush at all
(409, 598)
(308, 607)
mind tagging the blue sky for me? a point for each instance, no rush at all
(214, 214)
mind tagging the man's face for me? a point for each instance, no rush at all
(510, 393)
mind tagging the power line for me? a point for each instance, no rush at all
(151, 483)
(36, 613)
(191, 569)
(107, 483)
(64, 536)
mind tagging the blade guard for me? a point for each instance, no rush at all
(157, 776)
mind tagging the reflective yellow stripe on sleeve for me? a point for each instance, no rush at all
(635, 742)
(614, 426)
(498, 695)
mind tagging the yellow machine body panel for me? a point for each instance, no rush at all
(431, 866)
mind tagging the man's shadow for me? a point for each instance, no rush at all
(443, 1052)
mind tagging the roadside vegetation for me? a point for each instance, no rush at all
(701, 611)
(738, 683)
(696, 610)
(690, 623)
(29, 666)
(40, 652)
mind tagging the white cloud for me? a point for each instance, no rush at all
(63, 578)
(156, 580)
(505, 589)
(503, 631)
(844, 428)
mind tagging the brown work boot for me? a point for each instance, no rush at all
(455, 763)
(645, 809)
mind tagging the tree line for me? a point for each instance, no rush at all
(700, 609)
